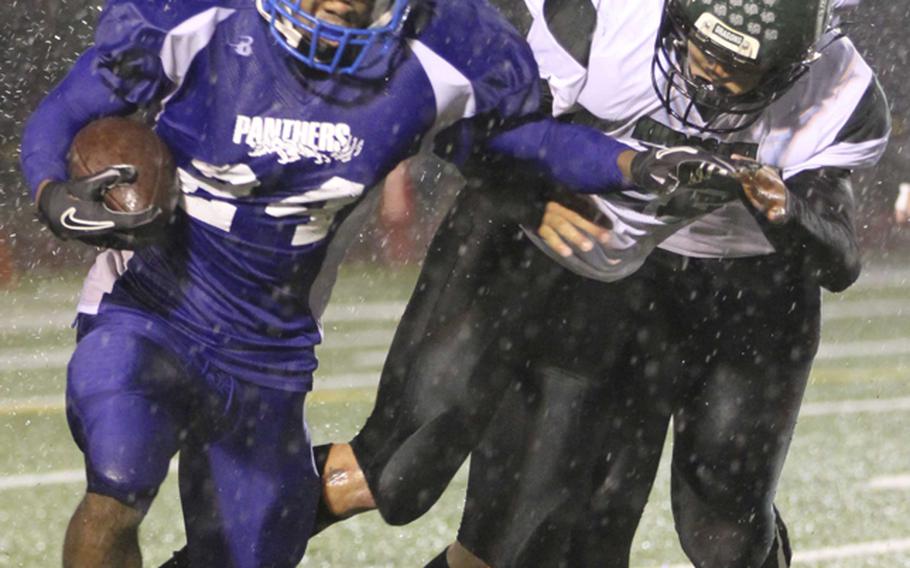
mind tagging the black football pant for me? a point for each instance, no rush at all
(453, 353)
(533, 474)
(749, 330)
(725, 352)
(491, 318)
(485, 316)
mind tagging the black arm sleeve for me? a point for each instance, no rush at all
(820, 234)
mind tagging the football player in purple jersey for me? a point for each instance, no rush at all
(701, 304)
(281, 115)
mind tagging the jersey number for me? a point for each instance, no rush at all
(316, 208)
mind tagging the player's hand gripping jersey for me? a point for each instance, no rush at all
(274, 159)
(833, 118)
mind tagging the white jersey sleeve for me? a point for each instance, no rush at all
(836, 117)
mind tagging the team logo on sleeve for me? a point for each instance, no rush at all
(243, 46)
(294, 140)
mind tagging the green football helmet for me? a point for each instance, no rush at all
(775, 40)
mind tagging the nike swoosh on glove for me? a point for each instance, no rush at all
(665, 170)
(75, 209)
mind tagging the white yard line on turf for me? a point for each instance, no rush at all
(834, 350)
(371, 379)
(859, 549)
(31, 481)
(371, 311)
(49, 403)
(866, 406)
(356, 339)
(875, 277)
(38, 320)
(59, 477)
(373, 358)
(51, 321)
(55, 403)
(889, 483)
(30, 359)
(873, 548)
(864, 309)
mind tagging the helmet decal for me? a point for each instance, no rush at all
(718, 32)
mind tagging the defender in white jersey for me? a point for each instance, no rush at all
(806, 128)
(734, 278)
(723, 287)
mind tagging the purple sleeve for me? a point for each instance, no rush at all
(122, 71)
(128, 44)
(579, 157)
(81, 97)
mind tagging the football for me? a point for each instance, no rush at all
(115, 141)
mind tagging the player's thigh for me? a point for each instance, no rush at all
(468, 320)
(126, 406)
(480, 279)
(472, 247)
(635, 415)
(743, 389)
(730, 442)
(587, 328)
(248, 484)
(533, 475)
(528, 476)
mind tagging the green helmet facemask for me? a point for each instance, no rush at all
(776, 40)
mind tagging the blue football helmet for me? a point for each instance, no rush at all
(330, 47)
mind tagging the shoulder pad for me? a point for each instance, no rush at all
(871, 119)
(476, 40)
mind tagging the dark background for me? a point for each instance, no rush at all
(41, 39)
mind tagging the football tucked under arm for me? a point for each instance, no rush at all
(76, 209)
(121, 187)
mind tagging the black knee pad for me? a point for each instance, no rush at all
(729, 533)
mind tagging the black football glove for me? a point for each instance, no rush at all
(663, 171)
(75, 209)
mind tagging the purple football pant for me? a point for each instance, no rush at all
(136, 396)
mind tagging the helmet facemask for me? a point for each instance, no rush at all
(331, 47)
(722, 110)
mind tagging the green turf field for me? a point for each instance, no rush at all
(845, 490)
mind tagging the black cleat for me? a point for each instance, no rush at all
(180, 559)
(440, 561)
(781, 554)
